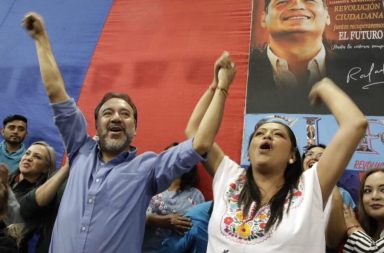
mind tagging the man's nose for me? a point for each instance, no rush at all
(116, 116)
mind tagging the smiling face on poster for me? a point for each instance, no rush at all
(294, 44)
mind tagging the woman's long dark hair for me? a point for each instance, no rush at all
(251, 192)
(189, 179)
(368, 223)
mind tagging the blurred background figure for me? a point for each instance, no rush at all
(40, 207)
(7, 243)
(166, 210)
(35, 166)
(194, 240)
(12, 148)
(13, 212)
(367, 233)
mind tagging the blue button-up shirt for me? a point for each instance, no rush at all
(104, 204)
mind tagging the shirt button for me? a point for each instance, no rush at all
(83, 228)
(90, 201)
(97, 180)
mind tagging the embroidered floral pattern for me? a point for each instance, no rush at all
(250, 228)
(174, 201)
(158, 205)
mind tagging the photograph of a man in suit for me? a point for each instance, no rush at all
(294, 57)
(295, 49)
(296, 54)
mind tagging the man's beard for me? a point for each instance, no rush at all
(114, 146)
(14, 140)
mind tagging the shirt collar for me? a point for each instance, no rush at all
(319, 61)
(126, 155)
(19, 152)
(316, 66)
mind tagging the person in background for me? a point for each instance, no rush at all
(38, 162)
(35, 165)
(13, 212)
(12, 148)
(40, 206)
(194, 240)
(367, 233)
(166, 211)
(8, 244)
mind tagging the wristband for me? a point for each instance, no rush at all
(223, 90)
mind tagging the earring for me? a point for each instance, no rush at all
(290, 161)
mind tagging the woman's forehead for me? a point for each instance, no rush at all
(374, 178)
(37, 148)
(272, 126)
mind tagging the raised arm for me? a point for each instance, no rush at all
(47, 191)
(215, 154)
(352, 125)
(52, 79)
(210, 123)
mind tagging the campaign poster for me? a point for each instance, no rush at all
(294, 44)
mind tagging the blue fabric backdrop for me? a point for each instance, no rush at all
(74, 28)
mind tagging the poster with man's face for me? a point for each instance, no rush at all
(294, 44)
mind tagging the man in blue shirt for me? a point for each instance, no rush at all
(109, 186)
(12, 148)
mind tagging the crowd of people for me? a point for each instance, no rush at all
(107, 198)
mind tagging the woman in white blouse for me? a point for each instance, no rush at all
(272, 206)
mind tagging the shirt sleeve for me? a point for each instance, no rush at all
(29, 209)
(172, 163)
(360, 242)
(71, 124)
(227, 170)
